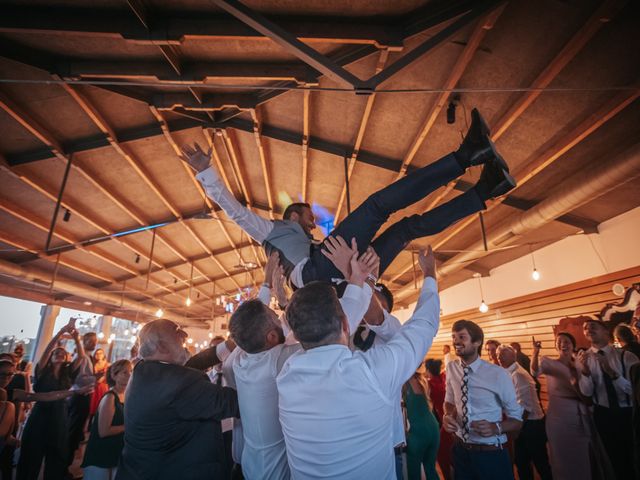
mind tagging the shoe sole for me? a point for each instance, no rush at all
(505, 186)
(485, 131)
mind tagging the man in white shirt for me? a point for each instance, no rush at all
(292, 238)
(380, 327)
(336, 406)
(531, 445)
(262, 350)
(605, 374)
(478, 394)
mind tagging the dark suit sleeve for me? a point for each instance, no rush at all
(204, 360)
(200, 399)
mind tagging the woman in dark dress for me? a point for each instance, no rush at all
(107, 430)
(45, 434)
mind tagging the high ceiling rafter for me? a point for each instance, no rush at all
(601, 15)
(562, 145)
(37, 130)
(140, 169)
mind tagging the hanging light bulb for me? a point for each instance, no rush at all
(159, 312)
(188, 302)
(484, 308)
(100, 335)
(535, 274)
(133, 339)
(189, 341)
(112, 336)
(210, 335)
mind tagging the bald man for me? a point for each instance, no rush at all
(173, 414)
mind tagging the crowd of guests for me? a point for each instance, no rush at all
(331, 386)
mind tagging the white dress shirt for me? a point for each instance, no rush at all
(336, 405)
(491, 392)
(385, 332)
(253, 224)
(264, 454)
(593, 385)
(526, 392)
(448, 358)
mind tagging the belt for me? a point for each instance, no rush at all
(478, 447)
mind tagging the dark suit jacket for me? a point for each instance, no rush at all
(172, 424)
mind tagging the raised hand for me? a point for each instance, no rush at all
(270, 267)
(340, 254)
(197, 158)
(278, 287)
(363, 266)
(427, 261)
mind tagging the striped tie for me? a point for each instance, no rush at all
(465, 399)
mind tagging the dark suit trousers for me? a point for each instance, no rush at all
(531, 447)
(615, 428)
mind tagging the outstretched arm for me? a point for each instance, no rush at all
(394, 362)
(23, 396)
(50, 347)
(255, 226)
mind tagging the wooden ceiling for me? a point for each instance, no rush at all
(294, 97)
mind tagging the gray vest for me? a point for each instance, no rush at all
(290, 241)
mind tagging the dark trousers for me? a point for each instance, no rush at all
(365, 221)
(44, 438)
(481, 465)
(531, 447)
(78, 413)
(616, 432)
(6, 462)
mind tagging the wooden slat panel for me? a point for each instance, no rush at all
(518, 319)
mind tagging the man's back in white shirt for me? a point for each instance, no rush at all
(336, 406)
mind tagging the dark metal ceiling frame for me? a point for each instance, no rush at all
(331, 69)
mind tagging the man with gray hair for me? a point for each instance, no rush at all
(531, 445)
(173, 414)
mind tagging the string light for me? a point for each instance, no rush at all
(112, 336)
(189, 340)
(133, 339)
(188, 302)
(159, 312)
(210, 335)
(100, 335)
(126, 332)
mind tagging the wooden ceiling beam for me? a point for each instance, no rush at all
(603, 14)
(559, 147)
(263, 158)
(479, 8)
(166, 130)
(201, 72)
(464, 59)
(208, 102)
(362, 128)
(137, 166)
(236, 167)
(43, 225)
(41, 133)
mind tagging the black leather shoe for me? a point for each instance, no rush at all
(494, 181)
(477, 148)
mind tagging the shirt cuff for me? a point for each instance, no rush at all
(208, 176)
(222, 352)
